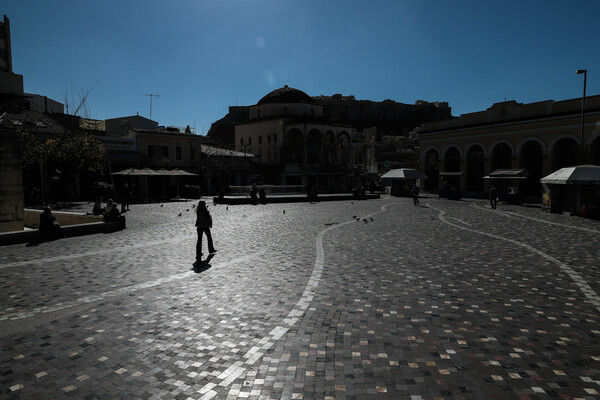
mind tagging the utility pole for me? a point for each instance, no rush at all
(151, 96)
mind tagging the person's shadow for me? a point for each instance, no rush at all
(201, 266)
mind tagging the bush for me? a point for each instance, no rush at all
(103, 189)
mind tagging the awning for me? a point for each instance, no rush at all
(151, 172)
(581, 174)
(176, 172)
(137, 172)
(404, 173)
(508, 174)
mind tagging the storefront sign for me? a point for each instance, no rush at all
(118, 143)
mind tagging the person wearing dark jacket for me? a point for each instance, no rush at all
(203, 225)
(493, 197)
(98, 210)
(49, 228)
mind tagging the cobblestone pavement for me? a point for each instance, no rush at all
(337, 300)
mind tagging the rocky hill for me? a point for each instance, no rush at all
(390, 117)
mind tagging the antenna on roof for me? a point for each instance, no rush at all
(151, 96)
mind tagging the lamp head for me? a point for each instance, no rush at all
(580, 71)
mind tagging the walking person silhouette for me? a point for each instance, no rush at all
(203, 225)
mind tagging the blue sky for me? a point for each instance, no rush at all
(203, 56)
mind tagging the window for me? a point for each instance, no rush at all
(241, 141)
(150, 151)
(274, 138)
(257, 113)
(250, 141)
(165, 151)
(268, 138)
(178, 153)
(285, 111)
(260, 140)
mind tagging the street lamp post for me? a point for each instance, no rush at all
(584, 72)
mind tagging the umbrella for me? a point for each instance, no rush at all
(581, 174)
(177, 173)
(404, 173)
(137, 172)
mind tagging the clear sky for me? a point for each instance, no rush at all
(203, 56)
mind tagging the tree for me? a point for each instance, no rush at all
(78, 105)
(67, 152)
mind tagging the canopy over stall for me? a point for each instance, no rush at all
(506, 174)
(575, 189)
(581, 174)
(509, 182)
(404, 173)
(399, 179)
(150, 172)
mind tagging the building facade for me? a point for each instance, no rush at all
(11, 181)
(10, 83)
(122, 125)
(539, 137)
(294, 145)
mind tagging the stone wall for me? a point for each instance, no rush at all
(32, 218)
(11, 182)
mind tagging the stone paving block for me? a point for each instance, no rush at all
(451, 300)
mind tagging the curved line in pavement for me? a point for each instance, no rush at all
(234, 371)
(91, 253)
(577, 279)
(519, 216)
(52, 310)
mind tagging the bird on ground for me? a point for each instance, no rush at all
(161, 205)
(227, 208)
(187, 210)
(366, 222)
(179, 215)
(284, 211)
(371, 218)
(354, 216)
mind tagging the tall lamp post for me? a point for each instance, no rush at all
(584, 72)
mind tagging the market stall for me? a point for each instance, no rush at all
(508, 183)
(402, 180)
(450, 185)
(574, 189)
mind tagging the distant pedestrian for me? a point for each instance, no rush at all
(415, 194)
(493, 197)
(203, 225)
(125, 198)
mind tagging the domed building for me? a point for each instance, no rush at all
(294, 145)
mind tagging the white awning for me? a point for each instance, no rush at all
(581, 174)
(404, 173)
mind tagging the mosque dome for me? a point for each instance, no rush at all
(286, 94)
